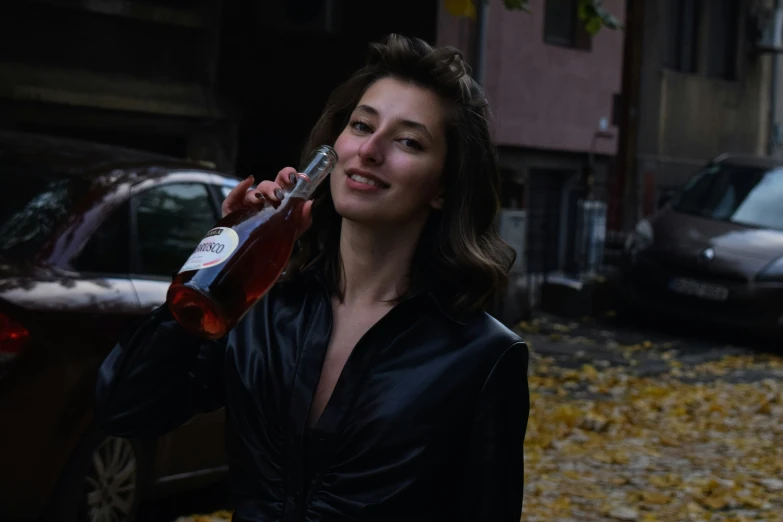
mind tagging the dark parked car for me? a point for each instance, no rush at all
(90, 236)
(714, 252)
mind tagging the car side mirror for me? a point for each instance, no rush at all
(665, 198)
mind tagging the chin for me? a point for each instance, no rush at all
(354, 207)
(356, 213)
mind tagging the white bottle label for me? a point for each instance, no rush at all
(216, 247)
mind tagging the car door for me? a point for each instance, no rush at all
(169, 218)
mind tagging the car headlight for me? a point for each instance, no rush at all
(641, 238)
(772, 272)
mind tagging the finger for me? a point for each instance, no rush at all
(271, 192)
(286, 178)
(253, 198)
(236, 196)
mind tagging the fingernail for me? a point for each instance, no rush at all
(259, 195)
(279, 193)
(249, 178)
(292, 178)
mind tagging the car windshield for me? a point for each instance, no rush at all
(745, 195)
(32, 205)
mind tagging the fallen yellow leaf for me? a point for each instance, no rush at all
(655, 497)
(715, 502)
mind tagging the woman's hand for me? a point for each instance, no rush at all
(244, 196)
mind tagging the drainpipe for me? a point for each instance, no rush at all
(773, 98)
(481, 40)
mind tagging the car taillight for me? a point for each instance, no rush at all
(13, 337)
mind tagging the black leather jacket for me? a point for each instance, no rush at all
(426, 422)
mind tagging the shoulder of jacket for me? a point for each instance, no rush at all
(483, 324)
(499, 354)
(492, 335)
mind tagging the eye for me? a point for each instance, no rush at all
(360, 126)
(412, 144)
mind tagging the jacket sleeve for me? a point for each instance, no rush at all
(495, 475)
(156, 378)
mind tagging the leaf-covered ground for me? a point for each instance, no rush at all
(647, 430)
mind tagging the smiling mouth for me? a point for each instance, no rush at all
(368, 181)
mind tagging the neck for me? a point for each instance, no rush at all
(376, 263)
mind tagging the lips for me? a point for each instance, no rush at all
(365, 178)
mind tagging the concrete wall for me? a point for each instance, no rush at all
(544, 96)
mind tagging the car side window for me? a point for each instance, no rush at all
(170, 221)
(107, 250)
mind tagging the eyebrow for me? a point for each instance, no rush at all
(407, 123)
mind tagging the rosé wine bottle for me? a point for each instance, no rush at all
(240, 259)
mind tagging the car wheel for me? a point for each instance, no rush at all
(103, 481)
(112, 483)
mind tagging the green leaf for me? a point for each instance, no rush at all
(594, 25)
(584, 10)
(594, 15)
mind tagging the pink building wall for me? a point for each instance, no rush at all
(544, 96)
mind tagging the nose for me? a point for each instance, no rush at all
(371, 150)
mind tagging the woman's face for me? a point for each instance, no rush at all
(391, 156)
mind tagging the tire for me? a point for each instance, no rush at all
(103, 481)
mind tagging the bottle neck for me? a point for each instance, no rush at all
(318, 168)
(303, 189)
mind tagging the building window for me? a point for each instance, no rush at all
(682, 47)
(563, 27)
(704, 37)
(723, 36)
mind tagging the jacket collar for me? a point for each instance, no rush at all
(423, 291)
(442, 309)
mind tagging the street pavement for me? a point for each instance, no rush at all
(644, 422)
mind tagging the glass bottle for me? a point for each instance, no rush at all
(240, 259)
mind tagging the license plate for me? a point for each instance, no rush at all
(699, 289)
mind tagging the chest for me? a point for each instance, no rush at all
(349, 326)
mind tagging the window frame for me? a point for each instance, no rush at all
(580, 39)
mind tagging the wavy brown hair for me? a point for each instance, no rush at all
(460, 256)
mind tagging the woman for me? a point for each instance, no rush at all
(367, 385)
